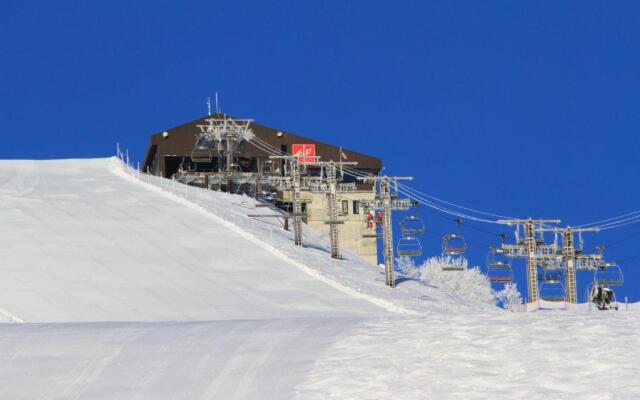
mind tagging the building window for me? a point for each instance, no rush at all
(356, 207)
(345, 207)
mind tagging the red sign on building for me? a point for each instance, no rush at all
(305, 152)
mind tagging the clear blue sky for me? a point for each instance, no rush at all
(524, 109)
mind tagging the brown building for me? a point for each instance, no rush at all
(170, 154)
(170, 148)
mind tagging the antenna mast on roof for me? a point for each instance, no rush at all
(217, 104)
(209, 106)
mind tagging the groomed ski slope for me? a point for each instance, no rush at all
(118, 285)
(84, 244)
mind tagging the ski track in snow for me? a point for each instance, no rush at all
(239, 359)
(94, 248)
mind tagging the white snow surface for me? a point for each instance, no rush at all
(115, 284)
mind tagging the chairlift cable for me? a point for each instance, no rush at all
(425, 200)
(622, 240)
(634, 218)
(610, 219)
(619, 225)
(629, 258)
(433, 203)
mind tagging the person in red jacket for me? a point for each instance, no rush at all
(370, 220)
(379, 217)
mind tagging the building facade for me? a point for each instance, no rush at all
(171, 154)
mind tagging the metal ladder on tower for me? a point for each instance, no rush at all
(333, 210)
(569, 254)
(385, 196)
(297, 205)
(532, 276)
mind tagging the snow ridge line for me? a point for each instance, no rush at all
(120, 169)
(8, 317)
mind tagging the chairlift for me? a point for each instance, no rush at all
(409, 246)
(552, 263)
(551, 286)
(499, 266)
(497, 261)
(412, 225)
(501, 275)
(203, 150)
(608, 275)
(373, 224)
(374, 231)
(454, 244)
(552, 276)
(602, 296)
(267, 198)
(454, 265)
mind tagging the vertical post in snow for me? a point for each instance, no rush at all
(532, 277)
(297, 205)
(333, 210)
(569, 255)
(387, 235)
(229, 164)
(383, 200)
(257, 196)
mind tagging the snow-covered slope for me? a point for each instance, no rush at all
(135, 287)
(82, 244)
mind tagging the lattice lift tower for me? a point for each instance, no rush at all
(570, 254)
(537, 253)
(296, 198)
(384, 200)
(532, 249)
(332, 202)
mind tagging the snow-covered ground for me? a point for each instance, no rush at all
(115, 284)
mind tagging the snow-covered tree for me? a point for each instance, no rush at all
(508, 296)
(407, 267)
(465, 282)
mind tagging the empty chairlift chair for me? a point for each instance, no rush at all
(499, 267)
(608, 275)
(409, 246)
(551, 285)
(412, 226)
(204, 149)
(454, 244)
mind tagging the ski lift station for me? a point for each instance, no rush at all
(340, 193)
(239, 156)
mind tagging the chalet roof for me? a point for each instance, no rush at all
(181, 139)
